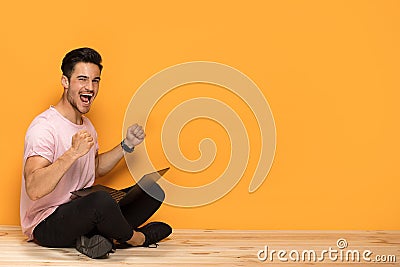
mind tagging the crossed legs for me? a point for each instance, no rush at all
(98, 213)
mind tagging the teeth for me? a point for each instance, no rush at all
(88, 96)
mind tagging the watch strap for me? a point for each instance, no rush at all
(126, 148)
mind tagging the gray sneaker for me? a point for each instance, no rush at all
(94, 247)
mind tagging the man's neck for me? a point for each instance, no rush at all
(68, 111)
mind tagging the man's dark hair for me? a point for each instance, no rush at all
(84, 54)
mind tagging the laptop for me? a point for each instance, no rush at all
(121, 197)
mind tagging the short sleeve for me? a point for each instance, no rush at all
(39, 141)
(92, 130)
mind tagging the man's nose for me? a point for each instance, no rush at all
(89, 86)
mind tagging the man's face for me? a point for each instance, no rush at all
(83, 86)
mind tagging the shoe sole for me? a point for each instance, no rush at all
(95, 247)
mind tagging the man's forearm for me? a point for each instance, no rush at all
(106, 161)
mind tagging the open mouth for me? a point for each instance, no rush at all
(86, 97)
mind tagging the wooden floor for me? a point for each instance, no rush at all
(218, 248)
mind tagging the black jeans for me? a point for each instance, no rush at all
(96, 213)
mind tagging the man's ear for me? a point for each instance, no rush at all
(65, 82)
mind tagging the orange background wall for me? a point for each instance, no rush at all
(329, 70)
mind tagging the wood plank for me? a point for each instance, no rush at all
(209, 248)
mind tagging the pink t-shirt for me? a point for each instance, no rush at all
(49, 136)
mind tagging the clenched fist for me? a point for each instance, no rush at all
(82, 142)
(134, 135)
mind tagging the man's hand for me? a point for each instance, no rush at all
(82, 142)
(134, 135)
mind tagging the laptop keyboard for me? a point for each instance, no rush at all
(117, 195)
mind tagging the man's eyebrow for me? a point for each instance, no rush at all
(87, 77)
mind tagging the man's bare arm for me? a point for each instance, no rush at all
(42, 176)
(105, 162)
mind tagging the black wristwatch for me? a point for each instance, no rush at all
(126, 148)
